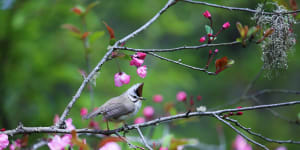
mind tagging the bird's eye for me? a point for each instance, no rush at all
(134, 96)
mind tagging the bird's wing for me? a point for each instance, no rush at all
(93, 114)
(115, 110)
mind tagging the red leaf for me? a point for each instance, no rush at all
(77, 10)
(221, 64)
(71, 28)
(84, 35)
(24, 140)
(293, 4)
(110, 31)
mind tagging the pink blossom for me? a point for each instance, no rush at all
(142, 71)
(58, 143)
(141, 55)
(202, 39)
(157, 98)
(12, 147)
(199, 98)
(121, 78)
(241, 144)
(216, 50)
(163, 148)
(83, 111)
(94, 125)
(207, 14)
(148, 112)
(281, 148)
(3, 141)
(110, 146)
(181, 96)
(15, 145)
(56, 119)
(226, 25)
(139, 120)
(136, 62)
(69, 124)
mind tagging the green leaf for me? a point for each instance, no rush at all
(96, 35)
(90, 6)
(208, 29)
(252, 31)
(172, 111)
(299, 116)
(166, 140)
(112, 41)
(76, 35)
(239, 39)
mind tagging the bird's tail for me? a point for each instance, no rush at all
(92, 114)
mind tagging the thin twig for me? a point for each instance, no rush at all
(143, 138)
(177, 48)
(236, 8)
(251, 84)
(39, 144)
(261, 136)
(240, 133)
(105, 58)
(265, 91)
(182, 64)
(275, 113)
(28, 130)
(128, 143)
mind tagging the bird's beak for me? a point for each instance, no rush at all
(142, 98)
(140, 90)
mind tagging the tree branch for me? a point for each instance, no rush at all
(182, 64)
(240, 133)
(236, 8)
(177, 48)
(143, 138)
(105, 58)
(259, 135)
(28, 130)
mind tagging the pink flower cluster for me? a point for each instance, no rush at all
(3, 141)
(59, 143)
(210, 36)
(121, 78)
(137, 60)
(241, 144)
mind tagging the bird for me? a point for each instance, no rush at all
(120, 108)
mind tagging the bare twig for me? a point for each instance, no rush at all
(128, 143)
(265, 91)
(38, 145)
(105, 58)
(182, 64)
(147, 24)
(275, 113)
(250, 85)
(259, 135)
(178, 48)
(28, 130)
(143, 138)
(235, 8)
(240, 133)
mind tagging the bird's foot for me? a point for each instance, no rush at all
(125, 128)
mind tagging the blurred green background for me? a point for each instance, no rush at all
(40, 62)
